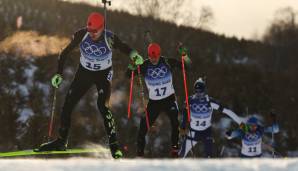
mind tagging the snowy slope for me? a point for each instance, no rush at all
(86, 164)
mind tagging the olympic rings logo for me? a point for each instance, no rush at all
(199, 108)
(158, 72)
(93, 49)
(252, 136)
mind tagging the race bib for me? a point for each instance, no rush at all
(95, 56)
(201, 114)
(251, 145)
(200, 124)
(159, 82)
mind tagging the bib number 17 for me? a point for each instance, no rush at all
(161, 91)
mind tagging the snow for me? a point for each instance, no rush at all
(93, 164)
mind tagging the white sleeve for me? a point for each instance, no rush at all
(228, 112)
(232, 115)
(214, 105)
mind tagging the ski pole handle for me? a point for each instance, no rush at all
(148, 37)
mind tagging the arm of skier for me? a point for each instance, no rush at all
(274, 128)
(124, 48)
(234, 134)
(75, 41)
(175, 63)
(217, 106)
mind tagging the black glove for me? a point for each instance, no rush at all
(229, 133)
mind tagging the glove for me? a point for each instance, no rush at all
(244, 127)
(183, 51)
(56, 80)
(132, 67)
(228, 133)
(136, 57)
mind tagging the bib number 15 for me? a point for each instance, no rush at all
(93, 66)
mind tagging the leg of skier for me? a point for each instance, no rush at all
(189, 142)
(153, 111)
(103, 85)
(81, 83)
(172, 113)
(208, 142)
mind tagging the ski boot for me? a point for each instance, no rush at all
(57, 145)
(140, 153)
(117, 154)
(115, 151)
(60, 144)
(174, 151)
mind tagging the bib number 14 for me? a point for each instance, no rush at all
(203, 123)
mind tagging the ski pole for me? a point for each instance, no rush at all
(272, 139)
(222, 151)
(185, 87)
(51, 122)
(130, 94)
(273, 121)
(105, 12)
(143, 97)
(148, 39)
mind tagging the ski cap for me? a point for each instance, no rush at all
(154, 51)
(200, 86)
(252, 120)
(95, 22)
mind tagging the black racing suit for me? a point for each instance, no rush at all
(88, 74)
(155, 76)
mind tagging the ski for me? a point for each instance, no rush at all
(31, 152)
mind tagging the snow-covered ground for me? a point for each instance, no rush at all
(87, 164)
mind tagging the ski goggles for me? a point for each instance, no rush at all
(249, 127)
(252, 127)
